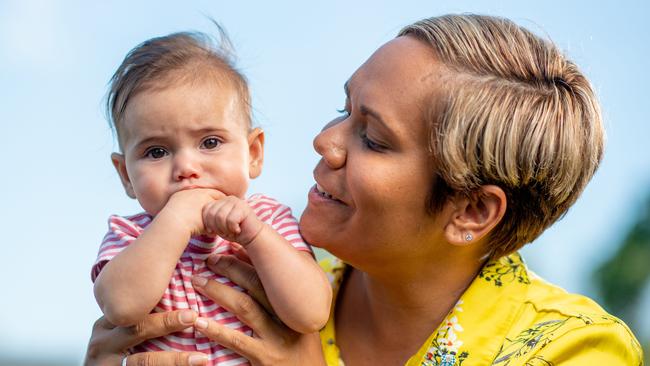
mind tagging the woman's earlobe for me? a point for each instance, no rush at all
(457, 234)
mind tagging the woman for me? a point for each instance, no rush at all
(462, 139)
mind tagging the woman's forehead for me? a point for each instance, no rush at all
(404, 65)
(397, 88)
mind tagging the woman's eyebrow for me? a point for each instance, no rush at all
(366, 110)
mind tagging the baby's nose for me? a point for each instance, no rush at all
(185, 166)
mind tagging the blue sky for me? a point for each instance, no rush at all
(58, 185)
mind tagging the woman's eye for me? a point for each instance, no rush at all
(210, 143)
(370, 143)
(156, 153)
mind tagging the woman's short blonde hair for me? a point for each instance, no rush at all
(517, 114)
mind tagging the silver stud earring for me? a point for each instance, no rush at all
(468, 237)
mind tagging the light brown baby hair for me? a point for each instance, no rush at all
(517, 114)
(175, 58)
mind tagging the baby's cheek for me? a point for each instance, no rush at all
(240, 185)
(151, 194)
(234, 178)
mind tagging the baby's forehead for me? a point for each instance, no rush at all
(184, 106)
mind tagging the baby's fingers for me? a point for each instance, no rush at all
(223, 217)
(237, 214)
(208, 214)
(214, 216)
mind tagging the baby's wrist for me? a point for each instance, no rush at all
(256, 237)
(169, 218)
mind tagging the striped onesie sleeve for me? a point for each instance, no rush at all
(180, 294)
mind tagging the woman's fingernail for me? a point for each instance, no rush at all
(201, 323)
(198, 360)
(199, 281)
(213, 259)
(187, 317)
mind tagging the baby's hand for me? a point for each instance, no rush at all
(185, 207)
(232, 219)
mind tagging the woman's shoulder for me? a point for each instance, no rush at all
(509, 316)
(547, 297)
(556, 327)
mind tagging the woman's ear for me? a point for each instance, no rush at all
(120, 166)
(256, 152)
(475, 216)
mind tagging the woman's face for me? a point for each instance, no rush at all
(372, 182)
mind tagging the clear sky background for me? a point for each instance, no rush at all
(58, 186)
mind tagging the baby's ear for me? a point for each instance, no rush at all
(120, 165)
(256, 152)
(474, 217)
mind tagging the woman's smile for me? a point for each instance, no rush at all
(318, 195)
(325, 194)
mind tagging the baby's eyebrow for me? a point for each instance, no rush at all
(210, 129)
(148, 140)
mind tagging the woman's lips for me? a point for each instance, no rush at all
(324, 193)
(320, 193)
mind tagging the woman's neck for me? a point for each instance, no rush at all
(410, 302)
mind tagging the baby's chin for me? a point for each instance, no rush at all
(152, 210)
(152, 213)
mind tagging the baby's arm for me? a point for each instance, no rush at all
(132, 283)
(295, 285)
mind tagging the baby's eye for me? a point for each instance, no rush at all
(210, 143)
(156, 153)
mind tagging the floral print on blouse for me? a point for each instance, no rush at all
(511, 317)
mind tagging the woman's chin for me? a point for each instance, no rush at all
(316, 229)
(311, 230)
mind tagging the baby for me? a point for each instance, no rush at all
(182, 116)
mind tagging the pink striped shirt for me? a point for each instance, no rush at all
(180, 294)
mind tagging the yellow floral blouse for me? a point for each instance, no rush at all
(511, 317)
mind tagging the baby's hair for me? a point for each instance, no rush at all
(515, 113)
(174, 58)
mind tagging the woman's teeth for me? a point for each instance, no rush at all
(323, 193)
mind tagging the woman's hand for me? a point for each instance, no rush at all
(273, 343)
(109, 344)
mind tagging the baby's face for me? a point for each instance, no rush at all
(191, 135)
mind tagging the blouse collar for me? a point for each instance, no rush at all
(475, 327)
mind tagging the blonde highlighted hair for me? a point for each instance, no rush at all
(516, 114)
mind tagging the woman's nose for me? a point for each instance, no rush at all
(186, 166)
(330, 144)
